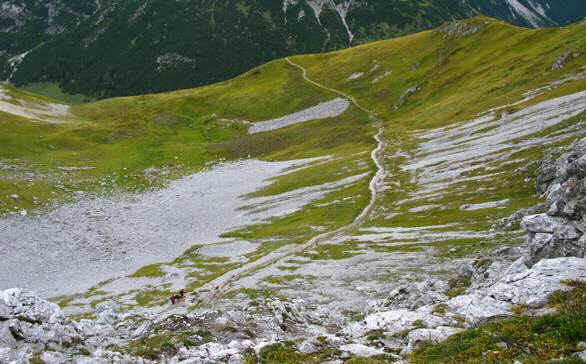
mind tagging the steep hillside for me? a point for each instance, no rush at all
(137, 47)
(27, 24)
(319, 207)
(533, 13)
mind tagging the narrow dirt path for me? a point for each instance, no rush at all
(338, 92)
(214, 289)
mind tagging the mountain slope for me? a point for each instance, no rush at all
(27, 24)
(533, 13)
(388, 163)
(136, 47)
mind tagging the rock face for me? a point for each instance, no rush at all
(33, 327)
(417, 295)
(560, 231)
(533, 286)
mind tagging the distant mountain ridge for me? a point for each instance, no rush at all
(111, 48)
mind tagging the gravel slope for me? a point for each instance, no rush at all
(77, 245)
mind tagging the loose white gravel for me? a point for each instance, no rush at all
(329, 109)
(48, 112)
(76, 245)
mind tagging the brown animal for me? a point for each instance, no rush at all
(178, 297)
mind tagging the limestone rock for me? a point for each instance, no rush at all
(28, 307)
(5, 311)
(44, 333)
(534, 286)
(566, 232)
(540, 223)
(52, 357)
(396, 321)
(7, 355)
(476, 308)
(308, 347)
(107, 312)
(438, 334)
(6, 338)
(361, 350)
(417, 295)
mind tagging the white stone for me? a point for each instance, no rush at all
(51, 357)
(534, 286)
(434, 335)
(540, 223)
(477, 309)
(394, 322)
(566, 232)
(360, 350)
(27, 306)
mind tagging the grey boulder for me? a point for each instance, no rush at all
(107, 313)
(534, 286)
(26, 306)
(541, 223)
(416, 337)
(476, 308)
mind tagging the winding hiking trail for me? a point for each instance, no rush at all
(338, 92)
(213, 289)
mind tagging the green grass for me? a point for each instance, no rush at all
(173, 134)
(282, 280)
(164, 345)
(284, 352)
(148, 271)
(528, 339)
(332, 251)
(471, 79)
(53, 91)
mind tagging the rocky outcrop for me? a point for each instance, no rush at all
(413, 296)
(559, 232)
(31, 327)
(560, 62)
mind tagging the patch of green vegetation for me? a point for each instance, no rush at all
(285, 352)
(374, 335)
(296, 227)
(439, 309)
(137, 143)
(288, 268)
(457, 286)
(149, 271)
(332, 251)
(419, 324)
(256, 294)
(53, 91)
(376, 359)
(354, 315)
(528, 339)
(318, 174)
(519, 60)
(164, 345)
(288, 278)
(153, 297)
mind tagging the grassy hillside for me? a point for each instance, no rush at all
(455, 73)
